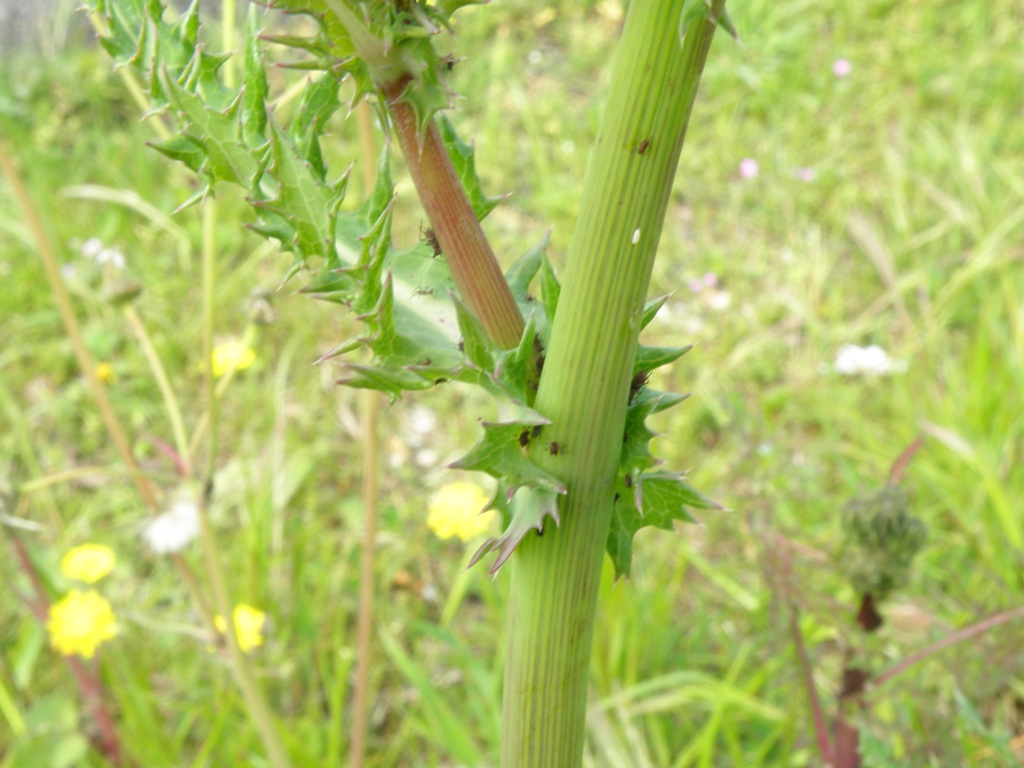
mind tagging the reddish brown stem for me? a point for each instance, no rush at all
(820, 729)
(90, 687)
(474, 268)
(961, 634)
(900, 465)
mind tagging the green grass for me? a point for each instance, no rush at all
(909, 236)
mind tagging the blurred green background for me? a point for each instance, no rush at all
(852, 176)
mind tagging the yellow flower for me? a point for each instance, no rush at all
(455, 511)
(88, 562)
(105, 372)
(232, 355)
(80, 622)
(249, 623)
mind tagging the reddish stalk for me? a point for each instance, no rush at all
(476, 271)
(960, 635)
(820, 729)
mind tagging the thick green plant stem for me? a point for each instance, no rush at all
(585, 386)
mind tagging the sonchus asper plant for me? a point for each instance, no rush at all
(570, 446)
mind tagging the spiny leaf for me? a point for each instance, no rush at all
(448, 7)
(701, 9)
(463, 160)
(308, 204)
(335, 33)
(528, 510)
(319, 101)
(502, 454)
(524, 269)
(254, 92)
(550, 289)
(648, 500)
(649, 358)
(636, 453)
(475, 344)
(516, 371)
(651, 309)
(227, 158)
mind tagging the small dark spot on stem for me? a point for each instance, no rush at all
(524, 438)
(431, 240)
(643, 146)
(629, 481)
(637, 384)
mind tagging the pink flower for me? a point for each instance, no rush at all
(841, 67)
(749, 168)
(806, 173)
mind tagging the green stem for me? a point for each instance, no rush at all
(585, 386)
(252, 694)
(166, 390)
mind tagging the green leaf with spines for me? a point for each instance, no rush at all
(227, 158)
(701, 9)
(254, 89)
(648, 499)
(550, 288)
(318, 102)
(309, 204)
(651, 309)
(501, 454)
(649, 358)
(516, 369)
(464, 162)
(478, 349)
(526, 512)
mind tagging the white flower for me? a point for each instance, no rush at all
(420, 424)
(841, 67)
(172, 530)
(720, 300)
(852, 360)
(111, 256)
(92, 247)
(749, 168)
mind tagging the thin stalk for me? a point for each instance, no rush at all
(820, 727)
(143, 483)
(966, 633)
(474, 268)
(74, 333)
(371, 408)
(252, 694)
(156, 367)
(70, 476)
(585, 385)
(209, 287)
(255, 701)
(203, 422)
